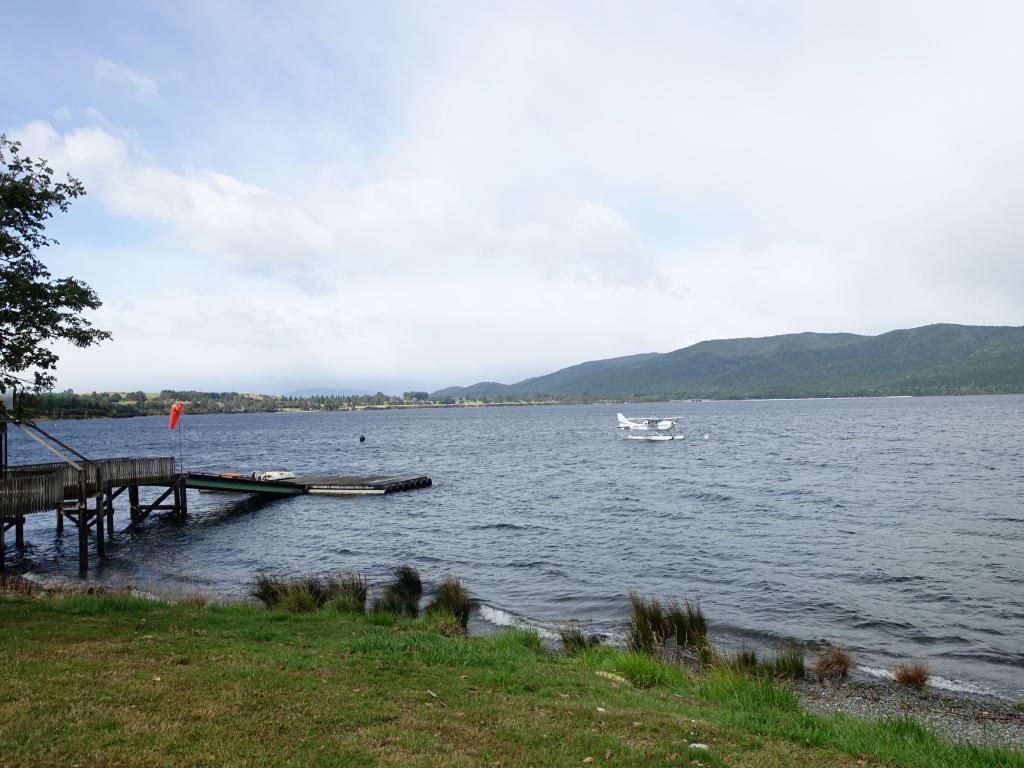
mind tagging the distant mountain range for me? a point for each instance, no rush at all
(327, 392)
(934, 359)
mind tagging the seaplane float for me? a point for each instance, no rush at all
(650, 428)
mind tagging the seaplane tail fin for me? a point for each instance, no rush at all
(622, 419)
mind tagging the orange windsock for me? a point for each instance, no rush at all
(176, 410)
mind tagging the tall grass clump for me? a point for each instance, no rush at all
(652, 625)
(833, 663)
(351, 590)
(788, 662)
(646, 625)
(575, 640)
(914, 675)
(687, 624)
(401, 595)
(451, 597)
(298, 594)
(743, 660)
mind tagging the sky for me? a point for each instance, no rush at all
(414, 195)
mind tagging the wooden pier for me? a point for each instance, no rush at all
(83, 490)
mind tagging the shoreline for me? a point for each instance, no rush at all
(960, 716)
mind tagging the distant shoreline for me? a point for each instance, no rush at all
(52, 416)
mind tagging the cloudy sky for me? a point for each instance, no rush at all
(413, 195)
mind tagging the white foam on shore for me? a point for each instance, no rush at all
(942, 683)
(500, 618)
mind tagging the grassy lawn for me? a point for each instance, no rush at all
(119, 681)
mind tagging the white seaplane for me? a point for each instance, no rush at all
(660, 425)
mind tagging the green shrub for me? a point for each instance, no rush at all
(451, 597)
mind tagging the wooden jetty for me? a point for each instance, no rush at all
(83, 490)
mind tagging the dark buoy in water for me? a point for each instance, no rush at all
(362, 438)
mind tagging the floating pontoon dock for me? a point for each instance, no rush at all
(331, 485)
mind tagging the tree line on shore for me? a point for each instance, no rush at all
(72, 405)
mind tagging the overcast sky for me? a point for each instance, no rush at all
(396, 196)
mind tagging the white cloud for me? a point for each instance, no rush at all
(534, 185)
(138, 85)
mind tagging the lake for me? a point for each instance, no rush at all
(892, 526)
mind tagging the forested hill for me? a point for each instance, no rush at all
(932, 360)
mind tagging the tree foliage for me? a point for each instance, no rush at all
(36, 309)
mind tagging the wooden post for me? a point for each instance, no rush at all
(184, 498)
(60, 518)
(83, 538)
(101, 548)
(19, 532)
(133, 502)
(110, 512)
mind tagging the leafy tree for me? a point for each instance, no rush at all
(36, 309)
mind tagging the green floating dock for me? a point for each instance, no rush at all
(331, 485)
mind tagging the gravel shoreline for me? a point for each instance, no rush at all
(960, 717)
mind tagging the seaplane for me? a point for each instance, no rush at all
(660, 425)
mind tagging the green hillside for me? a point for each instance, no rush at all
(932, 360)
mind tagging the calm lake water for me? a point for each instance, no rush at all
(893, 526)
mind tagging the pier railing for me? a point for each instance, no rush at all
(23, 494)
(114, 472)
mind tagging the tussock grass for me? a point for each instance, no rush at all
(914, 675)
(574, 639)
(401, 595)
(352, 590)
(835, 662)
(654, 626)
(686, 623)
(17, 586)
(788, 662)
(452, 598)
(407, 580)
(309, 592)
(646, 625)
(193, 600)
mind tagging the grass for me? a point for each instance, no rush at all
(835, 662)
(452, 598)
(646, 625)
(106, 680)
(914, 675)
(574, 639)
(401, 595)
(309, 592)
(788, 662)
(657, 628)
(686, 623)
